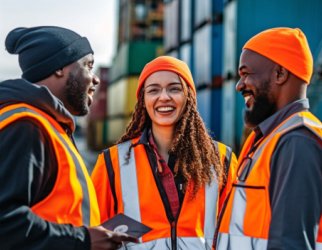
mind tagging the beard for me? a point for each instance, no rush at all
(76, 93)
(263, 107)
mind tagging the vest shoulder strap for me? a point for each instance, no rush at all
(111, 175)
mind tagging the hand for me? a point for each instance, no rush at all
(102, 239)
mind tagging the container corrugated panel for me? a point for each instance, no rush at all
(173, 53)
(96, 135)
(228, 127)
(228, 113)
(130, 100)
(216, 109)
(217, 49)
(186, 20)
(185, 54)
(98, 109)
(203, 12)
(140, 53)
(132, 57)
(116, 97)
(116, 128)
(120, 63)
(122, 96)
(202, 55)
(203, 102)
(171, 18)
(105, 132)
(122, 100)
(99, 133)
(288, 13)
(315, 88)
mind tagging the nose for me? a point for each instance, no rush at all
(164, 94)
(240, 85)
(96, 80)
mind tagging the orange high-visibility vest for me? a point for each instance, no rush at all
(72, 199)
(246, 219)
(137, 196)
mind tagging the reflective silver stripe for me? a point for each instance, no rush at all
(318, 246)
(211, 198)
(129, 186)
(238, 212)
(183, 243)
(80, 174)
(239, 202)
(240, 242)
(164, 244)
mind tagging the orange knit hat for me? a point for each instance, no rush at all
(166, 63)
(287, 47)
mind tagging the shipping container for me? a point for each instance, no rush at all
(97, 134)
(122, 96)
(202, 55)
(228, 122)
(202, 12)
(185, 54)
(132, 57)
(207, 71)
(171, 25)
(173, 53)
(315, 88)
(121, 103)
(117, 97)
(98, 109)
(116, 128)
(186, 20)
(204, 107)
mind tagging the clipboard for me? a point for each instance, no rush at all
(124, 224)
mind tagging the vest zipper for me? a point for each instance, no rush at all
(174, 235)
(171, 219)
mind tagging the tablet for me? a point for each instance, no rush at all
(125, 224)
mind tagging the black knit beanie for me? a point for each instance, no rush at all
(43, 50)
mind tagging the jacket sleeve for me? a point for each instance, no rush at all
(295, 191)
(27, 174)
(104, 186)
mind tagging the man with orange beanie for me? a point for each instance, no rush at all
(275, 199)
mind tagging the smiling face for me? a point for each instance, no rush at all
(80, 86)
(256, 86)
(165, 98)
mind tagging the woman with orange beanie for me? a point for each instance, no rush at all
(165, 171)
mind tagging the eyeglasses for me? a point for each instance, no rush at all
(242, 173)
(172, 89)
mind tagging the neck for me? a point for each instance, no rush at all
(163, 137)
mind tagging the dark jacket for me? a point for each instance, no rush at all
(28, 172)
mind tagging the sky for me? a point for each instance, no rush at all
(94, 19)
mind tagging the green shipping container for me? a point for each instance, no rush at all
(132, 57)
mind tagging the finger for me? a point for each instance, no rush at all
(119, 237)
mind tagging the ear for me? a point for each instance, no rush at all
(59, 72)
(281, 74)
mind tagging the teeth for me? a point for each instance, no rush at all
(164, 109)
(246, 98)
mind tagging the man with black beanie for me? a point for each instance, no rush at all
(47, 200)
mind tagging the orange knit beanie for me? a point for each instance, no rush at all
(166, 63)
(287, 47)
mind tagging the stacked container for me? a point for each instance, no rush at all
(97, 119)
(140, 39)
